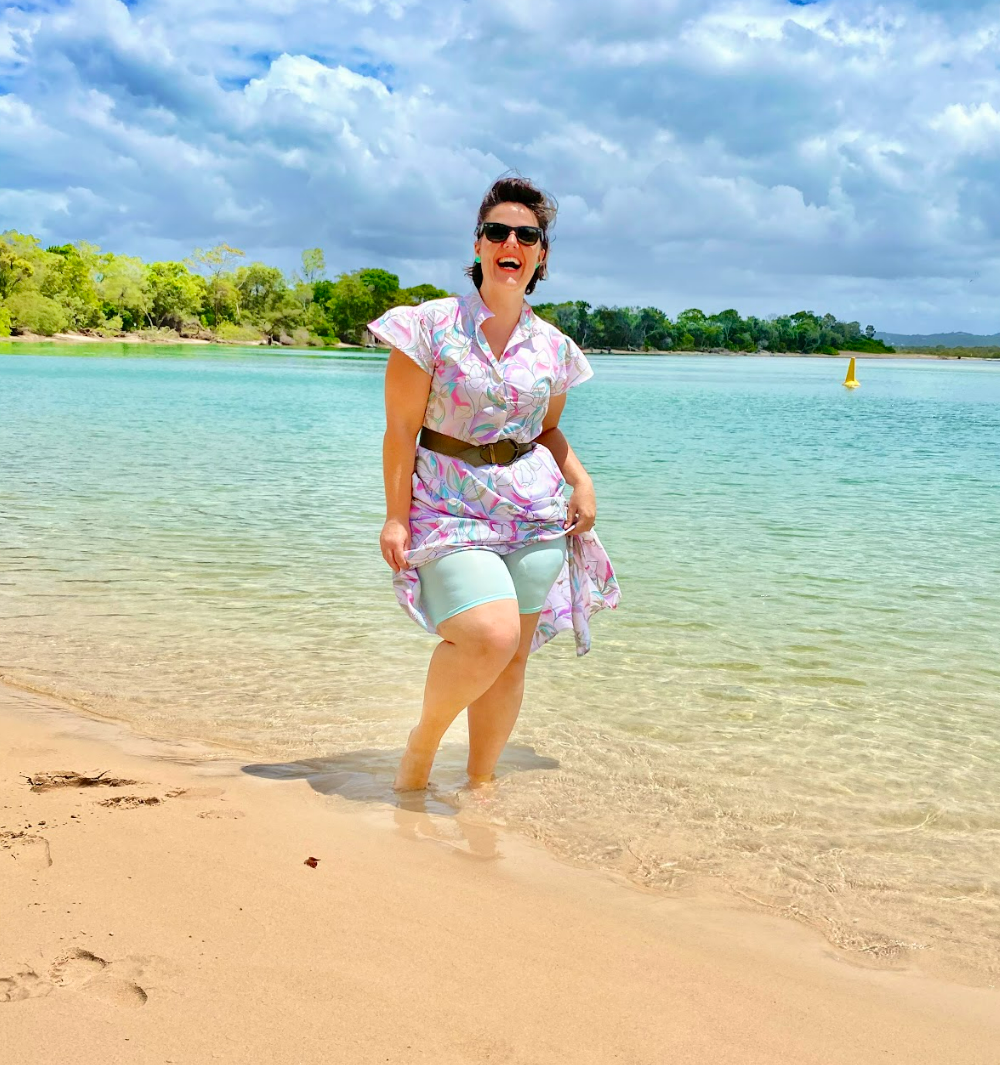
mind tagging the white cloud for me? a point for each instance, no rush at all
(973, 129)
(749, 153)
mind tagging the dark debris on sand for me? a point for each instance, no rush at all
(47, 781)
(127, 801)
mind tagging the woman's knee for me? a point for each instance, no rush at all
(490, 632)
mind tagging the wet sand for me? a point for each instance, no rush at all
(172, 916)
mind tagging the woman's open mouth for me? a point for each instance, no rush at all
(509, 264)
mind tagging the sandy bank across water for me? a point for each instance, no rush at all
(128, 338)
(190, 930)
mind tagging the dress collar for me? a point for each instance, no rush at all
(479, 312)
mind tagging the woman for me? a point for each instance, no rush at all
(477, 521)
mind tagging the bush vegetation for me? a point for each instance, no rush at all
(213, 294)
(649, 329)
(216, 294)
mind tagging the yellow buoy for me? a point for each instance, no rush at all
(850, 381)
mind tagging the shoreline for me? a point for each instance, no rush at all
(878, 355)
(136, 338)
(83, 338)
(181, 921)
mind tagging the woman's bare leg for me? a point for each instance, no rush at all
(475, 647)
(493, 714)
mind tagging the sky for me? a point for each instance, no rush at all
(767, 155)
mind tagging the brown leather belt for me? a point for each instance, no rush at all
(501, 453)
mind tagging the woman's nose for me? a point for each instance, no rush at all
(511, 239)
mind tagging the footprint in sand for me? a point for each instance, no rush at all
(206, 793)
(27, 984)
(196, 793)
(80, 970)
(76, 967)
(112, 982)
(29, 852)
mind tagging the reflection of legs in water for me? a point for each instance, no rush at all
(414, 822)
(476, 646)
(493, 714)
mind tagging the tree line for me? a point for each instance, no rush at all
(213, 294)
(649, 329)
(217, 295)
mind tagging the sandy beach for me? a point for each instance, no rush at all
(87, 338)
(171, 916)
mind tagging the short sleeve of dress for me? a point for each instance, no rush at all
(572, 368)
(406, 328)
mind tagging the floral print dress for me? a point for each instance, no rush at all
(476, 396)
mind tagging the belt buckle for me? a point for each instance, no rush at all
(489, 452)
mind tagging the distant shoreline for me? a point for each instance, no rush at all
(86, 338)
(138, 338)
(878, 355)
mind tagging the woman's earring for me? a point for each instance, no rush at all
(478, 260)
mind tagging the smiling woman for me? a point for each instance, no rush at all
(485, 549)
(538, 214)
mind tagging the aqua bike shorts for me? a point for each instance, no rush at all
(476, 575)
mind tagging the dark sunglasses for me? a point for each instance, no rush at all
(497, 233)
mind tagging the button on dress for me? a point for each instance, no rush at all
(478, 397)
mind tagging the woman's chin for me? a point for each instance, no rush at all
(509, 283)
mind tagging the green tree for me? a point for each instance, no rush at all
(313, 265)
(266, 301)
(120, 285)
(215, 263)
(384, 288)
(31, 312)
(729, 325)
(694, 325)
(654, 330)
(259, 287)
(174, 294)
(350, 307)
(15, 260)
(69, 280)
(808, 329)
(419, 294)
(563, 316)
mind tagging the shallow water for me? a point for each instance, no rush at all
(799, 694)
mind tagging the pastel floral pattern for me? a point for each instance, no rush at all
(478, 397)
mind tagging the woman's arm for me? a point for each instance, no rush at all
(581, 513)
(406, 390)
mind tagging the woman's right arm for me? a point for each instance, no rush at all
(406, 390)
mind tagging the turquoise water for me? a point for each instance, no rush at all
(798, 699)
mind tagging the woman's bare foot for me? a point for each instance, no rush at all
(415, 766)
(476, 782)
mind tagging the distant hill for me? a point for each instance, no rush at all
(945, 340)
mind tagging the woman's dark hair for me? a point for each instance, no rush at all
(512, 188)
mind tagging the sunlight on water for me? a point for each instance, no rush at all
(799, 694)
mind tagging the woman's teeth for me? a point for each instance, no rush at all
(509, 264)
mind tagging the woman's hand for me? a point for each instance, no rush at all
(395, 542)
(581, 512)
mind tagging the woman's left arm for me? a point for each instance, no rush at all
(581, 513)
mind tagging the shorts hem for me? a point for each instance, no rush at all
(476, 602)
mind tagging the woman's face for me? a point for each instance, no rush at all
(511, 265)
